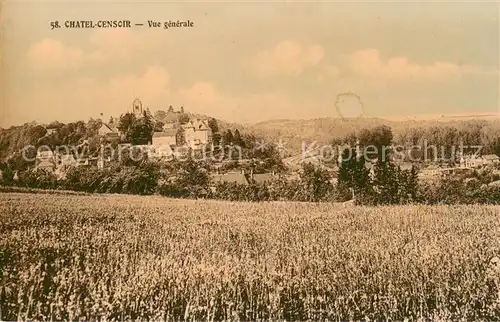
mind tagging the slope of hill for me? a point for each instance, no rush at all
(322, 130)
(292, 133)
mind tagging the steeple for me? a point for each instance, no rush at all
(137, 108)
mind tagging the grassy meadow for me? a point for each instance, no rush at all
(128, 257)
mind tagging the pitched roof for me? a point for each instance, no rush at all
(187, 125)
(197, 125)
(105, 128)
(238, 178)
(171, 126)
(262, 177)
(164, 148)
(201, 125)
(171, 117)
(491, 157)
(165, 133)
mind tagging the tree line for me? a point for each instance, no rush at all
(192, 179)
(379, 182)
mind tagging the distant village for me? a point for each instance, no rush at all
(176, 138)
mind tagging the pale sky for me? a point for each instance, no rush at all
(249, 62)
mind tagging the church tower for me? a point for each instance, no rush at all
(137, 108)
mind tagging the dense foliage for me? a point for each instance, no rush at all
(192, 179)
(103, 257)
(385, 183)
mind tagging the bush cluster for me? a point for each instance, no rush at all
(191, 179)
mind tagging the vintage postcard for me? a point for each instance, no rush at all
(249, 161)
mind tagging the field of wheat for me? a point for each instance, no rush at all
(129, 257)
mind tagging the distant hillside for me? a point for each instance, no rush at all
(323, 130)
(292, 132)
(223, 125)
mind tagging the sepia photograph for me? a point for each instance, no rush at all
(249, 160)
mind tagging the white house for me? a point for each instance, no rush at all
(490, 159)
(167, 137)
(471, 161)
(197, 132)
(45, 157)
(108, 133)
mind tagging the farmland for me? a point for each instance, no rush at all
(130, 257)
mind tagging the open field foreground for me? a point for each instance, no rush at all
(123, 257)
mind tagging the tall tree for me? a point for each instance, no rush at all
(216, 138)
(237, 139)
(125, 125)
(315, 182)
(136, 131)
(381, 138)
(159, 126)
(228, 137)
(386, 182)
(353, 174)
(212, 123)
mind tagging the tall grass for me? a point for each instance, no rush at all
(130, 257)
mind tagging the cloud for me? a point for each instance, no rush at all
(82, 98)
(206, 98)
(288, 58)
(202, 93)
(152, 86)
(124, 43)
(104, 45)
(327, 73)
(52, 54)
(368, 63)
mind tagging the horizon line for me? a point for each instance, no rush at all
(393, 118)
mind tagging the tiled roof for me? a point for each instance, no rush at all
(197, 124)
(165, 133)
(201, 124)
(490, 157)
(105, 127)
(262, 177)
(171, 117)
(238, 178)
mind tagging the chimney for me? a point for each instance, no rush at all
(182, 109)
